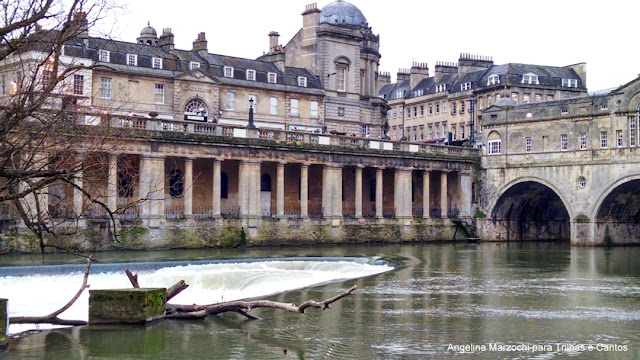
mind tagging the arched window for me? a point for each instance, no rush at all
(265, 182)
(176, 183)
(342, 69)
(224, 186)
(196, 107)
(372, 190)
(494, 143)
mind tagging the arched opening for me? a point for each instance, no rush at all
(530, 211)
(196, 110)
(618, 218)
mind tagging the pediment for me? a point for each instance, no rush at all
(199, 76)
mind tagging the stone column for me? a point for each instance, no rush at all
(157, 190)
(372, 77)
(465, 193)
(444, 206)
(337, 191)
(402, 193)
(143, 188)
(249, 188)
(243, 189)
(367, 76)
(327, 204)
(332, 193)
(254, 195)
(188, 188)
(217, 184)
(379, 202)
(304, 191)
(359, 191)
(280, 189)
(78, 196)
(425, 194)
(112, 183)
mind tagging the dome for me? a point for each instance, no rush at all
(505, 101)
(342, 13)
(148, 32)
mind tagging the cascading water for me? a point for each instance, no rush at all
(42, 290)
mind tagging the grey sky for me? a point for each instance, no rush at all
(544, 32)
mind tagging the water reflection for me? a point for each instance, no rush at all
(537, 294)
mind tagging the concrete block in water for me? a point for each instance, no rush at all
(4, 324)
(126, 306)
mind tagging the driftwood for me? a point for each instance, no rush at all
(53, 317)
(172, 291)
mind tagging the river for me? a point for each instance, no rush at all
(439, 301)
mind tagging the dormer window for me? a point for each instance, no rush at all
(132, 59)
(399, 94)
(228, 71)
(251, 75)
(194, 65)
(104, 55)
(441, 87)
(272, 78)
(302, 81)
(156, 63)
(530, 78)
(570, 82)
(493, 79)
(465, 86)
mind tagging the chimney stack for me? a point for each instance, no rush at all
(445, 68)
(80, 25)
(468, 63)
(200, 45)
(402, 75)
(419, 71)
(273, 42)
(167, 40)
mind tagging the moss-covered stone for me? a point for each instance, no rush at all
(4, 317)
(126, 306)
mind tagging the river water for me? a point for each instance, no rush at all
(485, 301)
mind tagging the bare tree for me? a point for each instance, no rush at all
(52, 141)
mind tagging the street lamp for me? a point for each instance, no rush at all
(251, 125)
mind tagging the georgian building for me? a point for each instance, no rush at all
(431, 109)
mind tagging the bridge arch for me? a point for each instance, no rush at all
(531, 209)
(617, 212)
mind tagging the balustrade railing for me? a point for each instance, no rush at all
(388, 212)
(417, 211)
(315, 211)
(230, 212)
(174, 211)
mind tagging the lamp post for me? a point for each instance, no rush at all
(251, 125)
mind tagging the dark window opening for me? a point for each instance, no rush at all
(265, 182)
(372, 190)
(176, 183)
(224, 186)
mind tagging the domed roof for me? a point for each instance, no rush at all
(505, 101)
(148, 32)
(342, 13)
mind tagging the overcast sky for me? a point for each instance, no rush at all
(604, 34)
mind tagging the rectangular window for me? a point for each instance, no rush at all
(408, 133)
(570, 82)
(3, 85)
(104, 55)
(453, 132)
(132, 59)
(194, 65)
(564, 110)
(489, 100)
(159, 94)
(294, 107)
(395, 112)
(453, 108)
(272, 78)
(619, 138)
(105, 88)
(549, 97)
(514, 97)
(274, 106)
(528, 144)
(437, 126)
(156, 63)
(526, 98)
(251, 75)
(365, 130)
(461, 107)
(341, 78)
(400, 133)
(632, 131)
(228, 72)
(415, 133)
(47, 75)
(603, 139)
(583, 141)
(408, 113)
(314, 109)
(564, 142)
(538, 98)
(430, 109)
(461, 131)
(231, 101)
(437, 108)
(444, 106)
(395, 133)
(465, 86)
(604, 106)
(302, 81)
(430, 132)
(415, 111)
(494, 147)
(421, 132)
(421, 110)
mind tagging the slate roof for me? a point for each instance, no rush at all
(472, 77)
(511, 73)
(404, 86)
(385, 91)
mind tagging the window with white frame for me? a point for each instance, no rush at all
(430, 109)
(399, 94)
(453, 132)
(461, 107)
(564, 110)
(421, 110)
(493, 79)
(228, 71)
(514, 97)
(619, 138)
(274, 106)
(604, 106)
(437, 108)
(633, 135)
(430, 131)
(570, 82)
(132, 59)
(341, 77)
(421, 132)
(437, 127)
(47, 75)
(400, 132)
(462, 131)
(156, 63)
(231, 101)
(494, 147)
(294, 107)
(530, 78)
(453, 108)
(194, 65)
(528, 144)
(538, 98)
(251, 75)
(582, 137)
(603, 139)
(365, 130)
(314, 110)
(78, 84)
(408, 112)
(415, 133)
(441, 87)
(415, 112)
(104, 55)
(564, 142)
(465, 86)
(395, 112)
(302, 81)
(272, 78)
(526, 98)
(105, 88)
(159, 94)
